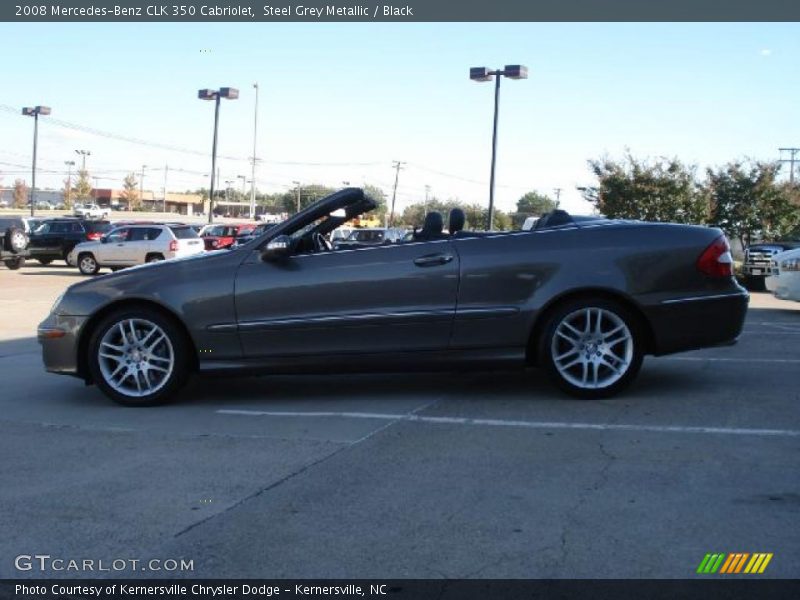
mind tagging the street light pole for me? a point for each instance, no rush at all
(253, 174)
(35, 112)
(484, 74)
(84, 154)
(216, 95)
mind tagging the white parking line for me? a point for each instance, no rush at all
(717, 359)
(522, 424)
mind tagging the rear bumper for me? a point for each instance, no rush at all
(698, 321)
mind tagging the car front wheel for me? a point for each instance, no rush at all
(592, 348)
(138, 357)
(87, 264)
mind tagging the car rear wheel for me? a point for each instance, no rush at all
(138, 357)
(87, 264)
(15, 263)
(15, 240)
(592, 348)
(154, 258)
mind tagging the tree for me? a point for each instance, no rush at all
(83, 188)
(635, 189)
(308, 195)
(532, 204)
(379, 196)
(477, 215)
(746, 201)
(130, 191)
(20, 194)
(68, 192)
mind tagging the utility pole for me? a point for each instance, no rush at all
(791, 160)
(396, 165)
(558, 196)
(297, 185)
(253, 174)
(164, 204)
(141, 186)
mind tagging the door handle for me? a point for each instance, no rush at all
(433, 260)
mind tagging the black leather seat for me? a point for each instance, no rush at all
(456, 221)
(431, 229)
(554, 218)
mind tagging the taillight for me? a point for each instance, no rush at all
(173, 246)
(95, 235)
(716, 260)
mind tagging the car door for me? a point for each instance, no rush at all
(397, 297)
(49, 237)
(113, 251)
(136, 245)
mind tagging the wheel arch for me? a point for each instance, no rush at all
(543, 315)
(127, 303)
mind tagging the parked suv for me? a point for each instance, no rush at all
(758, 259)
(135, 245)
(55, 238)
(13, 242)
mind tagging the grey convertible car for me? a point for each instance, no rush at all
(583, 298)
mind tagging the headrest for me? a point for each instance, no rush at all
(456, 220)
(434, 224)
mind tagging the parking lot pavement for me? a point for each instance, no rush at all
(446, 475)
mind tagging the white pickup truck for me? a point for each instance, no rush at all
(90, 211)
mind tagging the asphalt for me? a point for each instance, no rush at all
(485, 475)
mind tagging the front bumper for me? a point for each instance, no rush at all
(59, 336)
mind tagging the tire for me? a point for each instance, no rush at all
(87, 264)
(44, 261)
(151, 258)
(15, 240)
(15, 263)
(578, 359)
(124, 369)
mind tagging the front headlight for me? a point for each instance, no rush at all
(792, 264)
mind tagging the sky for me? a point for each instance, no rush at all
(340, 102)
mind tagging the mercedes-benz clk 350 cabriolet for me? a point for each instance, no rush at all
(583, 298)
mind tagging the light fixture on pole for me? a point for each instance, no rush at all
(83, 154)
(35, 112)
(215, 95)
(485, 74)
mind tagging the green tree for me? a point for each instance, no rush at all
(532, 204)
(666, 190)
(83, 188)
(20, 193)
(379, 196)
(747, 202)
(130, 191)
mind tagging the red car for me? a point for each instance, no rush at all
(217, 237)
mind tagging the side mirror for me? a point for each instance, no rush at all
(278, 248)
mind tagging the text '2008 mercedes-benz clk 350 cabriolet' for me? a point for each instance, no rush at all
(583, 298)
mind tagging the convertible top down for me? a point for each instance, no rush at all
(583, 298)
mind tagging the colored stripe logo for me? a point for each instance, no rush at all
(734, 562)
